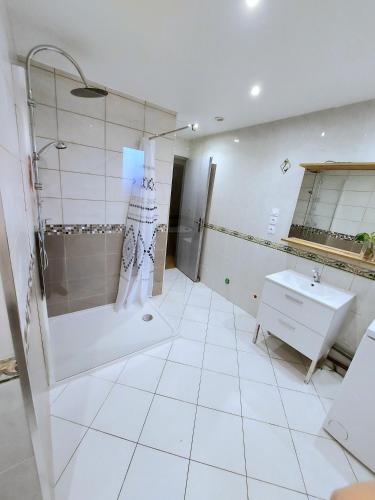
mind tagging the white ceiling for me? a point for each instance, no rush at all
(200, 57)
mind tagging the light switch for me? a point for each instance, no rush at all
(271, 229)
(273, 220)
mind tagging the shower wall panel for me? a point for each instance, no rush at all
(86, 190)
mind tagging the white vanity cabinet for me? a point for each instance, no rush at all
(304, 314)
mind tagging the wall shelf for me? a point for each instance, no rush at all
(329, 250)
(316, 167)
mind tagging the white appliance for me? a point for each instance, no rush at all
(351, 420)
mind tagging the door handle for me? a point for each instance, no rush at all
(199, 222)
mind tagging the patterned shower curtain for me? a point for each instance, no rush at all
(138, 252)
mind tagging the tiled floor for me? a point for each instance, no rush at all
(209, 417)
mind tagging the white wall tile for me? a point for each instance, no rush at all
(163, 193)
(65, 100)
(82, 186)
(125, 112)
(164, 171)
(360, 183)
(45, 119)
(118, 189)
(354, 214)
(83, 212)
(43, 86)
(158, 121)
(114, 164)
(50, 157)
(369, 216)
(118, 137)
(51, 183)
(355, 198)
(52, 210)
(80, 129)
(164, 149)
(115, 212)
(84, 159)
(8, 136)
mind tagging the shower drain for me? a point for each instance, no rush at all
(147, 317)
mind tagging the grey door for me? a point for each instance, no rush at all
(192, 215)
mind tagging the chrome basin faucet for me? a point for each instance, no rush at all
(316, 275)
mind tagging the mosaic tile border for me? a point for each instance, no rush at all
(58, 229)
(315, 230)
(315, 257)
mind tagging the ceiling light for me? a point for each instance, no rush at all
(194, 126)
(219, 118)
(323, 134)
(236, 140)
(252, 3)
(255, 91)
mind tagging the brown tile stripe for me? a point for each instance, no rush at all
(305, 254)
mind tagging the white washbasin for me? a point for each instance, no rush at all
(325, 294)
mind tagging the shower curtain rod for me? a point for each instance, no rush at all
(192, 126)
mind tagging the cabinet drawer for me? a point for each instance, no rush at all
(312, 314)
(296, 335)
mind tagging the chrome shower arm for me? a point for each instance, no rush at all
(53, 48)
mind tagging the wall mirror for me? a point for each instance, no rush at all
(334, 205)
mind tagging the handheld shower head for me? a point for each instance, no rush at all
(89, 92)
(57, 144)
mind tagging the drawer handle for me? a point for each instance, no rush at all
(285, 323)
(293, 299)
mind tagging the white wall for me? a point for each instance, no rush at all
(249, 183)
(18, 473)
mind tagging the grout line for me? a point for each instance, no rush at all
(196, 406)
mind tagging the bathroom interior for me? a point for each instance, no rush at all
(187, 250)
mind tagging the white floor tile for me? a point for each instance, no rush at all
(169, 426)
(262, 402)
(220, 392)
(224, 337)
(220, 318)
(200, 289)
(66, 436)
(327, 403)
(110, 372)
(200, 301)
(142, 372)
(57, 390)
(280, 350)
(81, 400)
(244, 322)
(270, 455)
(292, 376)
(208, 483)
(124, 412)
(220, 359)
(323, 463)
(154, 475)
(218, 440)
(193, 330)
(187, 352)
(219, 303)
(172, 308)
(327, 383)
(180, 382)
(194, 313)
(264, 491)
(245, 343)
(97, 468)
(160, 351)
(304, 412)
(361, 472)
(256, 367)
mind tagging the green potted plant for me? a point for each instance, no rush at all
(368, 242)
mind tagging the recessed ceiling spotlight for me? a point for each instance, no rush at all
(236, 140)
(219, 118)
(252, 3)
(255, 90)
(323, 134)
